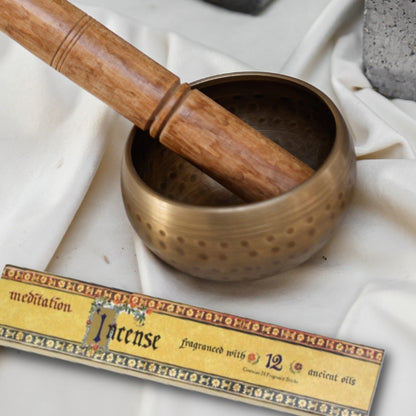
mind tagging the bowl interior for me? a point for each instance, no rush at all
(286, 112)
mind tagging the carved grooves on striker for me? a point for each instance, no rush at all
(167, 107)
(69, 42)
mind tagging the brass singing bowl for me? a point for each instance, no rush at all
(197, 226)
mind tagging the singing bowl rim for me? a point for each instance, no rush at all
(341, 136)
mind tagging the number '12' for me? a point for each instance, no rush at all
(274, 362)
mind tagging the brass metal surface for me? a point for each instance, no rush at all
(197, 226)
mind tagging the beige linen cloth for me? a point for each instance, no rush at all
(61, 210)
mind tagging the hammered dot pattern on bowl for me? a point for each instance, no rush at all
(197, 226)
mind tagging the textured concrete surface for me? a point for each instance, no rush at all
(389, 47)
(244, 6)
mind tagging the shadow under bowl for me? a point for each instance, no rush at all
(197, 226)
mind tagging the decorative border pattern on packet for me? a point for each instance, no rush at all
(224, 320)
(181, 375)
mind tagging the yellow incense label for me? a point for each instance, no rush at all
(185, 345)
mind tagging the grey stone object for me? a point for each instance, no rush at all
(244, 6)
(389, 47)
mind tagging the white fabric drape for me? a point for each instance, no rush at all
(61, 210)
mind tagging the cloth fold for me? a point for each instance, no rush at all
(385, 314)
(61, 209)
(42, 116)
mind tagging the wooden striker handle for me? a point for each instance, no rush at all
(150, 96)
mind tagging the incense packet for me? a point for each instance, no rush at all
(186, 346)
